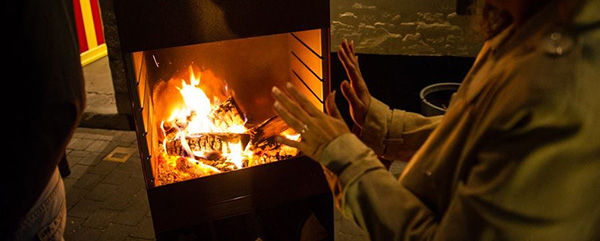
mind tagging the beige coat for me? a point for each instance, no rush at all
(516, 157)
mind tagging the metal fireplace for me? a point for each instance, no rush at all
(200, 73)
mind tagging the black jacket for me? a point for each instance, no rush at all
(44, 98)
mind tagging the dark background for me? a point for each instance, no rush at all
(397, 79)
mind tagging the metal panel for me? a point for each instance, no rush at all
(154, 24)
(192, 202)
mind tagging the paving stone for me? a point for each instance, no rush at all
(126, 137)
(74, 195)
(129, 216)
(102, 192)
(78, 171)
(83, 233)
(73, 223)
(72, 141)
(73, 160)
(117, 177)
(137, 239)
(69, 182)
(84, 208)
(118, 201)
(79, 144)
(78, 133)
(144, 229)
(133, 164)
(100, 218)
(97, 146)
(140, 200)
(106, 137)
(138, 174)
(135, 210)
(92, 133)
(104, 167)
(131, 186)
(78, 153)
(116, 231)
(95, 136)
(88, 181)
(91, 159)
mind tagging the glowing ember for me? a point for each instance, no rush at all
(203, 138)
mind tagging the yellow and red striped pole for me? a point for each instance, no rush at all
(89, 30)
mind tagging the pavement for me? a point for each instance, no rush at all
(106, 200)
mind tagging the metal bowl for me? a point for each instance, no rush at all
(436, 98)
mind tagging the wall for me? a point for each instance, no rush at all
(403, 27)
(89, 30)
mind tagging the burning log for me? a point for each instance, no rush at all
(228, 114)
(271, 127)
(206, 145)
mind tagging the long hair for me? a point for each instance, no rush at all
(490, 20)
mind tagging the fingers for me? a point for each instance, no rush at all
(288, 142)
(347, 56)
(303, 101)
(346, 61)
(332, 109)
(350, 62)
(353, 74)
(347, 49)
(289, 119)
(290, 105)
(350, 95)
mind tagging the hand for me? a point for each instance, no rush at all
(317, 128)
(356, 92)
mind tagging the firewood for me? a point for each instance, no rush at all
(204, 143)
(227, 114)
(268, 129)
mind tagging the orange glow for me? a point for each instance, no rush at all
(201, 137)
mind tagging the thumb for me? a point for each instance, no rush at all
(332, 109)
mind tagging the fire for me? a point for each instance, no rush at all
(204, 137)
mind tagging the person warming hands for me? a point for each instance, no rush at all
(515, 157)
(317, 128)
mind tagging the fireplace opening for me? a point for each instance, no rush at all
(206, 108)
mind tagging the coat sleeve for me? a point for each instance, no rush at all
(371, 196)
(395, 134)
(530, 185)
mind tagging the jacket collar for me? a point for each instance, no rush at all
(527, 36)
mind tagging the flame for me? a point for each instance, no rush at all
(201, 137)
(197, 111)
(196, 104)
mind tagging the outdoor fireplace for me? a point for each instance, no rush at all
(200, 74)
